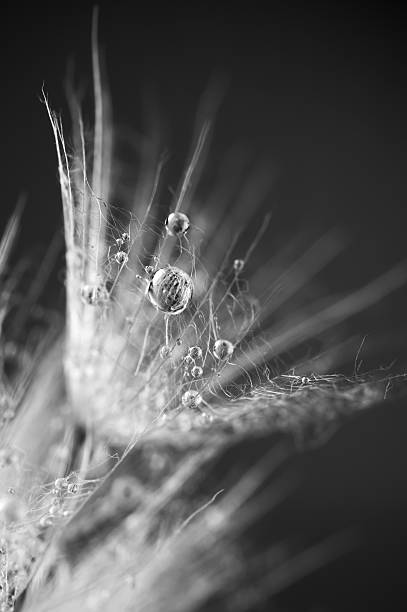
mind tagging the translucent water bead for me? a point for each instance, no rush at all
(177, 223)
(223, 349)
(170, 290)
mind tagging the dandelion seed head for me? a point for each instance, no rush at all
(177, 224)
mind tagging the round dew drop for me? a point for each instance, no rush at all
(165, 351)
(195, 352)
(177, 224)
(238, 265)
(191, 399)
(121, 257)
(196, 372)
(170, 290)
(223, 349)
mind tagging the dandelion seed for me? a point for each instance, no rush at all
(191, 399)
(223, 349)
(170, 290)
(177, 224)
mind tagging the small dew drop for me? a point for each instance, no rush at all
(165, 351)
(222, 349)
(61, 484)
(177, 224)
(191, 399)
(238, 265)
(196, 372)
(195, 352)
(121, 258)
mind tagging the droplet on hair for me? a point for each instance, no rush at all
(195, 352)
(191, 399)
(188, 360)
(170, 290)
(121, 257)
(238, 265)
(222, 349)
(177, 223)
(165, 351)
(196, 372)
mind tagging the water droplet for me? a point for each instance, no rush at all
(177, 223)
(61, 483)
(222, 349)
(165, 351)
(238, 265)
(191, 399)
(121, 257)
(188, 360)
(196, 372)
(195, 352)
(170, 290)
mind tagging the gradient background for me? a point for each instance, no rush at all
(319, 91)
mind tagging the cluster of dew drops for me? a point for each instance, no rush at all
(170, 290)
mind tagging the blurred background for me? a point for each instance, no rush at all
(317, 92)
